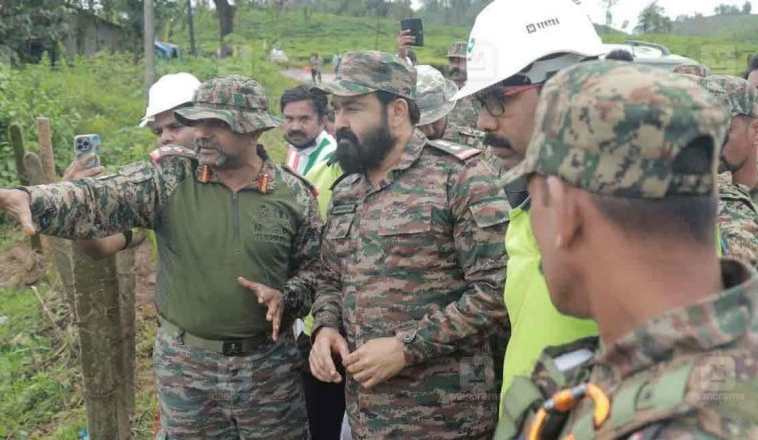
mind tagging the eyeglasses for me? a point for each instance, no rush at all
(493, 99)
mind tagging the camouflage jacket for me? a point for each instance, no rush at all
(738, 221)
(690, 373)
(464, 136)
(267, 232)
(465, 113)
(420, 257)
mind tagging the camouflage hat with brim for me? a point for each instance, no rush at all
(434, 94)
(458, 49)
(619, 129)
(360, 73)
(735, 94)
(238, 101)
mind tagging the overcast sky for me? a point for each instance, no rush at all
(630, 9)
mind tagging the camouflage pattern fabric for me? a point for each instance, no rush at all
(238, 101)
(421, 258)
(205, 395)
(615, 128)
(365, 72)
(464, 136)
(458, 49)
(698, 70)
(735, 94)
(738, 221)
(690, 373)
(466, 112)
(433, 94)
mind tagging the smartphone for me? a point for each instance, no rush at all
(416, 26)
(88, 144)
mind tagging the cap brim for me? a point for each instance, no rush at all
(430, 116)
(143, 123)
(527, 167)
(257, 120)
(343, 87)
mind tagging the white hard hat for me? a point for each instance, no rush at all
(169, 92)
(508, 37)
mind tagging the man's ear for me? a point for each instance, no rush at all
(566, 216)
(398, 112)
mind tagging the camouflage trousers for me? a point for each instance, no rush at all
(206, 395)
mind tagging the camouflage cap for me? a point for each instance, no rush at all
(735, 94)
(693, 69)
(458, 49)
(433, 94)
(239, 101)
(365, 72)
(617, 129)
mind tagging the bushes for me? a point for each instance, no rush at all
(103, 94)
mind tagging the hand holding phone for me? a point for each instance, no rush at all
(416, 29)
(88, 145)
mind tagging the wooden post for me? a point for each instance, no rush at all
(100, 339)
(127, 284)
(45, 139)
(17, 142)
(149, 40)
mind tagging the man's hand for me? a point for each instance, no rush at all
(376, 361)
(16, 203)
(79, 168)
(403, 41)
(327, 341)
(272, 298)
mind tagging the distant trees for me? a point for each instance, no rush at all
(653, 19)
(724, 9)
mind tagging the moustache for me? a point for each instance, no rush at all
(345, 135)
(496, 141)
(295, 133)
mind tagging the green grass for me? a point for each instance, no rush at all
(33, 387)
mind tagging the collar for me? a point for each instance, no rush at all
(263, 182)
(716, 321)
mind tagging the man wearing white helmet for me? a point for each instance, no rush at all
(167, 94)
(511, 53)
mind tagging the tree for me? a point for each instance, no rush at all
(28, 28)
(747, 8)
(652, 19)
(225, 12)
(724, 9)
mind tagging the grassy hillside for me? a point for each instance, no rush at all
(735, 27)
(258, 30)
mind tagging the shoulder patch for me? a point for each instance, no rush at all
(305, 181)
(461, 152)
(171, 150)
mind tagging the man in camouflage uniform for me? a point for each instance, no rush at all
(738, 216)
(227, 221)
(434, 95)
(626, 201)
(466, 111)
(413, 266)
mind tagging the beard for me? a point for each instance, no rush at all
(359, 157)
(210, 153)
